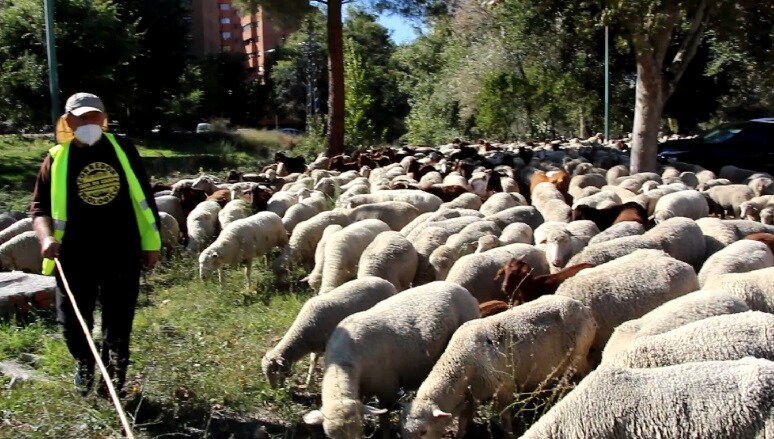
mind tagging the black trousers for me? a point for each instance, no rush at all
(116, 288)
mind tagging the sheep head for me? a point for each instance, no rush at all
(275, 369)
(424, 419)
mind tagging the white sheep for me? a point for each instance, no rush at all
(6, 220)
(519, 214)
(728, 199)
(689, 204)
(501, 201)
(677, 312)
(751, 209)
(202, 225)
(465, 201)
(303, 242)
(316, 321)
(478, 272)
(232, 211)
(516, 351)
(681, 238)
(564, 242)
(600, 200)
(716, 338)
(739, 257)
(707, 399)
(17, 228)
(241, 242)
(455, 220)
(22, 253)
(542, 193)
(516, 233)
(389, 347)
(619, 230)
(720, 233)
(422, 200)
(397, 214)
(298, 213)
(169, 231)
(392, 257)
(626, 288)
(343, 251)
(315, 276)
(578, 182)
(280, 202)
(756, 287)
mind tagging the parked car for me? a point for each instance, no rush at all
(289, 131)
(203, 128)
(747, 145)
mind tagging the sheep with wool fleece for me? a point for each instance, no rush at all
(543, 193)
(281, 201)
(422, 200)
(478, 272)
(17, 228)
(303, 242)
(578, 182)
(515, 351)
(522, 214)
(738, 257)
(501, 201)
(729, 198)
(718, 338)
(607, 251)
(298, 213)
(317, 319)
(677, 312)
(169, 230)
(720, 233)
(763, 185)
(466, 201)
(689, 204)
(396, 214)
(681, 238)
(750, 209)
(619, 230)
(600, 200)
(707, 399)
(389, 347)
(564, 242)
(755, 287)
(232, 211)
(626, 289)
(460, 244)
(202, 225)
(22, 253)
(6, 220)
(429, 239)
(516, 233)
(343, 251)
(392, 257)
(616, 172)
(456, 220)
(314, 278)
(171, 205)
(242, 241)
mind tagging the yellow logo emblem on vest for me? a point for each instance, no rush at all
(98, 184)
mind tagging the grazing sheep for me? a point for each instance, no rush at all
(519, 282)
(465, 201)
(22, 253)
(397, 214)
(412, 229)
(478, 272)
(241, 242)
(392, 257)
(626, 289)
(519, 214)
(738, 257)
(303, 242)
(169, 230)
(564, 243)
(501, 201)
(423, 201)
(707, 399)
(689, 204)
(516, 351)
(298, 213)
(618, 230)
(751, 209)
(234, 210)
(606, 251)
(682, 239)
(390, 346)
(315, 276)
(600, 200)
(543, 193)
(720, 233)
(755, 287)
(716, 338)
(343, 251)
(761, 186)
(616, 172)
(579, 182)
(555, 210)
(202, 225)
(516, 233)
(14, 229)
(728, 199)
(607, 217)
(316, 321)
(689, 308)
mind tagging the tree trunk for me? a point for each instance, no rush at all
(335, 80)
(649, 104)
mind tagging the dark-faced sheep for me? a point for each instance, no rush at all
(604, 218)
(519, 283)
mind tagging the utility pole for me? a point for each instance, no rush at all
(607, 89)
(53, 79)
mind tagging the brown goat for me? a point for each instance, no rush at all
(222, 196)
(604, 218)
(492, 307)
(293, 165)
(518, 281)
(766, 238)
(560, 179)
(258, 197)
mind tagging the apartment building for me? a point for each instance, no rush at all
(230, 30)
(261, 36)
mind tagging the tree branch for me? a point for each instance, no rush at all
(688, 47)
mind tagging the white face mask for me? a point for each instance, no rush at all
(88, 134)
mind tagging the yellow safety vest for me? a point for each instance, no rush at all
(146, 222)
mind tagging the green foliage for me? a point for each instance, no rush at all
(497, 103)
(359, 128)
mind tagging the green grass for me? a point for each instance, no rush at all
(195, 348)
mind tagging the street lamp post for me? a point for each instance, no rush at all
(53, 79)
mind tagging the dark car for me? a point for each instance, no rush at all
(748, 145)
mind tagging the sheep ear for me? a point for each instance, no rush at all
(438, 413)
(280, 361)
(315, 417)
(373, 410)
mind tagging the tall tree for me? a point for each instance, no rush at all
(296, 8)
(93, 45)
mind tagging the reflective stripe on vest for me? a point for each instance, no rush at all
(146, 223)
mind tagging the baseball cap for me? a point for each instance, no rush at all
(81, 103)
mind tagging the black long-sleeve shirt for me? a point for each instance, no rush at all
(100, 217)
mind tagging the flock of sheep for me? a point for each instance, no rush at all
(474, 273)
